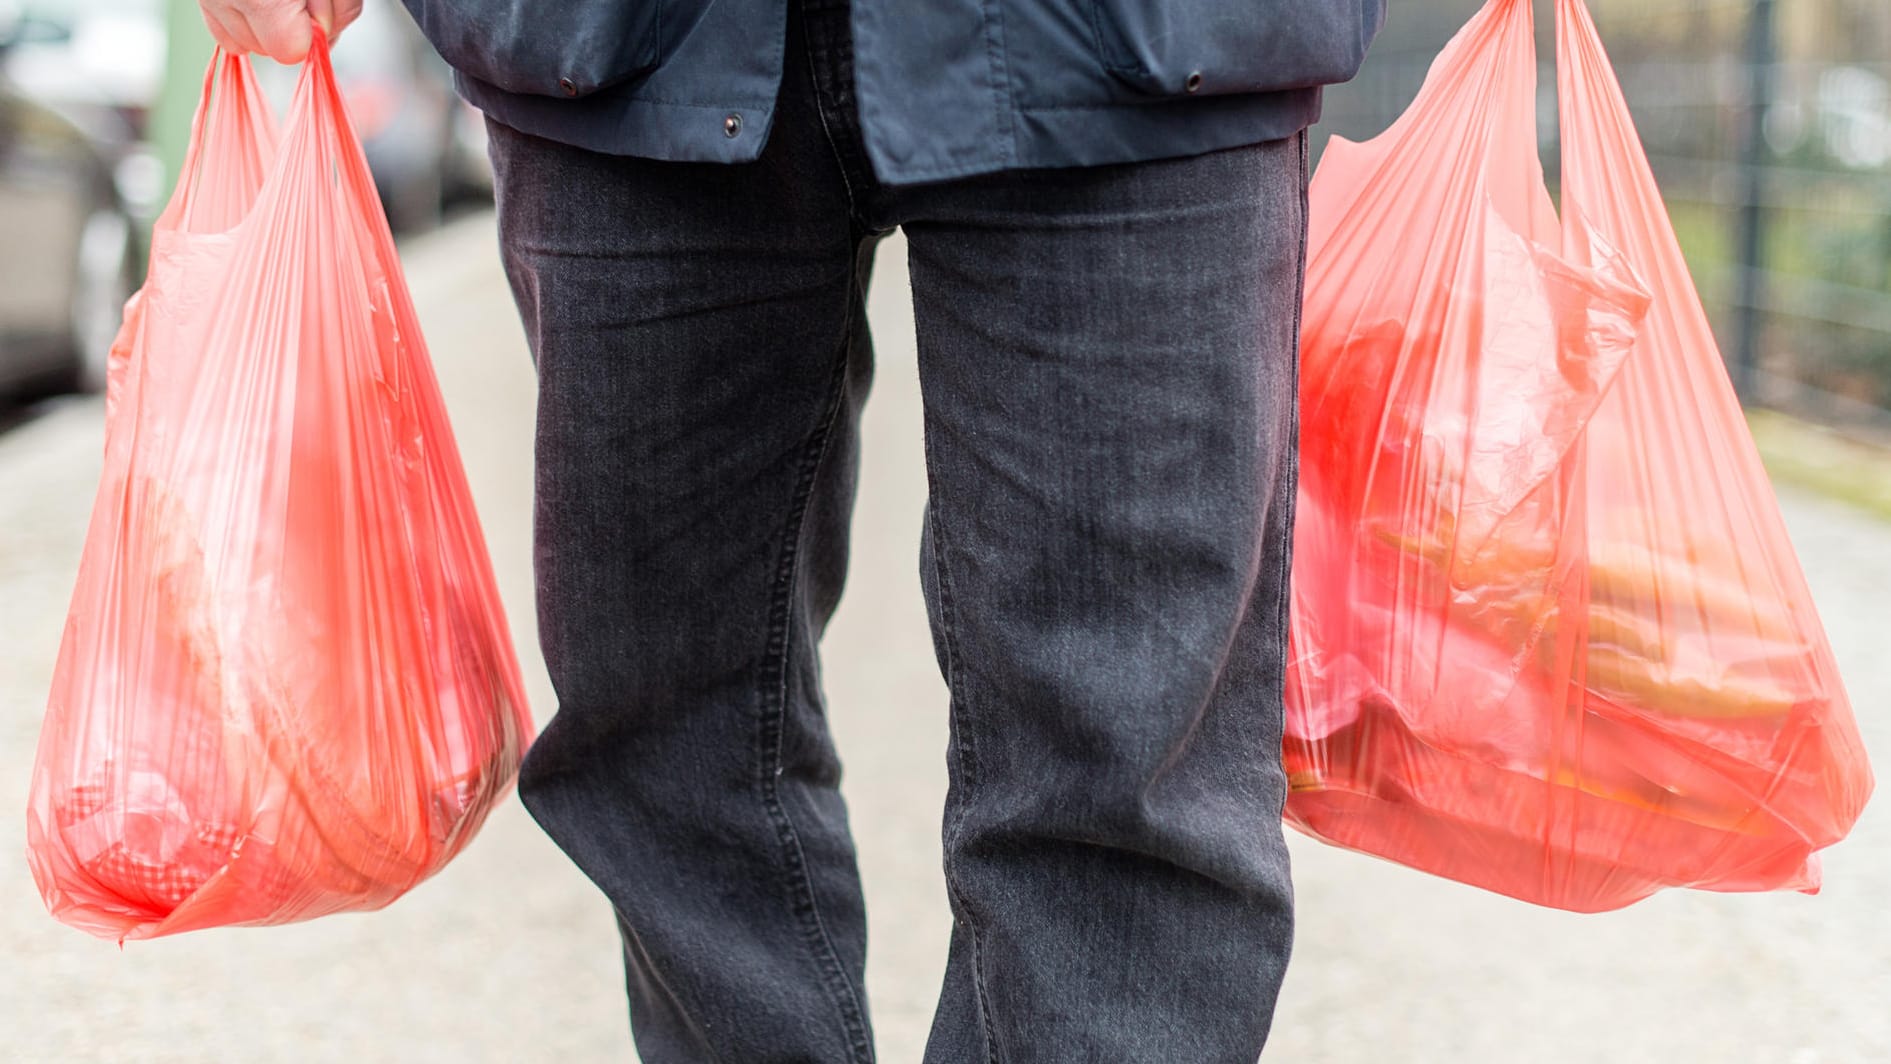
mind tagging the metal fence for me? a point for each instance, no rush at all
(1783, 209)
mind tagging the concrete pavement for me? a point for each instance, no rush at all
(509, 956)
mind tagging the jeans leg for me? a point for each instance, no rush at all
(702, 351)
(1109, 362)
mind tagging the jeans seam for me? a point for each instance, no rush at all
(1289, 493)
(967, 755)
(774, 708)
(820, 109)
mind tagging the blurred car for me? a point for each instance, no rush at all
(102, 63)
(71, 254)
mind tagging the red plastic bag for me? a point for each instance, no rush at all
(286, 686)
(1549, 636)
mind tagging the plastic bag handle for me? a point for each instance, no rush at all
(321, 112)
(232, 113)
(233, 126)
(209, 100)
(323, 157)
(1608, 159)
(1606, 169)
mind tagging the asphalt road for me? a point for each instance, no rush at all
(508, 956)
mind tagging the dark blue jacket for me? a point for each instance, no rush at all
(946, 88)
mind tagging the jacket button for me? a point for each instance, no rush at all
(1194, 82)
(731, 125)
(567, 85)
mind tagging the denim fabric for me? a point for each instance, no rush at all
(1108, 359)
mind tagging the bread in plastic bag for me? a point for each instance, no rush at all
(1549, 635)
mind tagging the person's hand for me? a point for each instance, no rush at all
(278, 29)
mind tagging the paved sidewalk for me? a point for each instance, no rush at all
(508, 956)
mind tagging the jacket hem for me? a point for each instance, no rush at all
(1040, 137)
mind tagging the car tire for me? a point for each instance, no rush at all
(417, 204)
(103, 279)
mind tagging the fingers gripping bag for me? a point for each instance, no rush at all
(1549, 636)
(285, 686)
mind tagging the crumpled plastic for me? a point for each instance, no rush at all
(286, 686)
(1549, 636)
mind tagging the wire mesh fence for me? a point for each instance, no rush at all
(1769, 129)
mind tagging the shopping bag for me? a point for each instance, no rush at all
(1549, 636)
(286, 686)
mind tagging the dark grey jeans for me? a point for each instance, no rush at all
(1108, 362)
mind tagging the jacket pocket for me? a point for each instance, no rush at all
(567, 48)
(1178, 47)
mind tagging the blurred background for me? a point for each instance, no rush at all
(95, 104)
(1769, 127)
